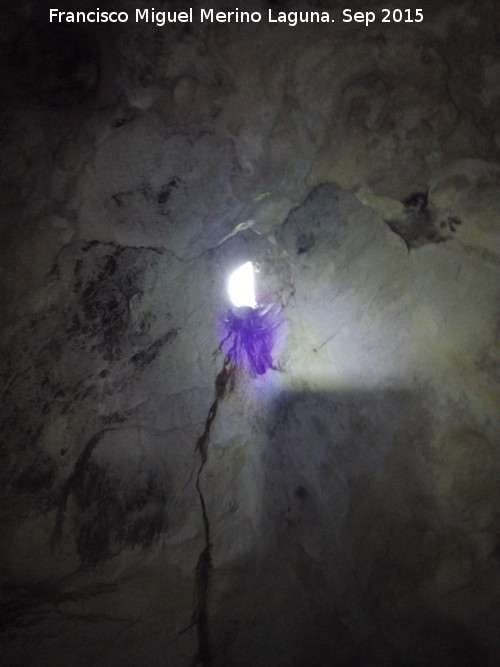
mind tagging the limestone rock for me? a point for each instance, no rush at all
(160, 505)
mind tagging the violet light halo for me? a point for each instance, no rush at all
(248, 335)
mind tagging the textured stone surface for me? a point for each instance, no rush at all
(158, 505)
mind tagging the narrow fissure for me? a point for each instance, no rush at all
(204, 566)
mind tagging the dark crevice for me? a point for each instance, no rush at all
(223, 381)
(421, 223)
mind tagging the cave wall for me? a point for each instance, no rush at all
(161, 505)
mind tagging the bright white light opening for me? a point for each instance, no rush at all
(241, 286)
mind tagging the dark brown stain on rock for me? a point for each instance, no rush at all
(421, 223)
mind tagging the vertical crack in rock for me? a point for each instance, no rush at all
(204, 566)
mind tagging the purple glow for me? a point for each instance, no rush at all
(248, 336)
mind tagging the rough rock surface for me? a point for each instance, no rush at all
(162, 507)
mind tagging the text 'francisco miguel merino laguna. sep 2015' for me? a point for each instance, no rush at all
(290, 18)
